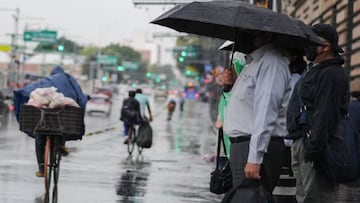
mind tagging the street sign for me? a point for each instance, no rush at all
(5, 48)
(106, 60)
(130, 65)
(43, 36)
(190, 51)
(110, 68)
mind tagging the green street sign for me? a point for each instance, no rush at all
(130, 65)
(110, 68)
(43, 36)
(106, 60)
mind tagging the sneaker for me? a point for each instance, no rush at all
(39, 174)
(64, 151)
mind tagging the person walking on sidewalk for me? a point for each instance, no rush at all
(324, 89)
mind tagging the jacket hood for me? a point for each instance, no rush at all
(56, 70)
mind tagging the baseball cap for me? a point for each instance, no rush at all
(329, 33)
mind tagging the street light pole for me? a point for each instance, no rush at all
(10, 70)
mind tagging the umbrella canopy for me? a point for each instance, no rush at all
(226, 19)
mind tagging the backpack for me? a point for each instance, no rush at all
(128, 113)
(341, 158)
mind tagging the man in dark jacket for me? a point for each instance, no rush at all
(324, 90)
(130, 113)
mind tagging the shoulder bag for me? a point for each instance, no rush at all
(221, 178)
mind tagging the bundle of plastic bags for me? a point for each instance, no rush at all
(50, 98)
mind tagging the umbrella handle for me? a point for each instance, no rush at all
(227, 88)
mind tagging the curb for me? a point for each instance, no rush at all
(100, 131)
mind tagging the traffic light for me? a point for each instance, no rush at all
(188, 72)
(120, 68)
(184, 53)
(104, 78)
(60, 48)
(148, 74)
(181, 59)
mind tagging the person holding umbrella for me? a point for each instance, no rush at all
(255, 114)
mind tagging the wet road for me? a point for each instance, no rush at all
(98, 168)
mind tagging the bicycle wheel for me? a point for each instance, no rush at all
(56, 165)
(47, 166)
(131, 140)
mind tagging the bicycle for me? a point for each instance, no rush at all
(132, 140)
(52, 158)
(52, 123)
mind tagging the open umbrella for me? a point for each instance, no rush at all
(227, 19)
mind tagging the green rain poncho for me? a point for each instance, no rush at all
(239, 64)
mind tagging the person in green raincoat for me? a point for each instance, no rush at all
(238, 64)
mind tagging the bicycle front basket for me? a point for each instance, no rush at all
(68, 120)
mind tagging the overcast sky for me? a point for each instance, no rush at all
(98, 22)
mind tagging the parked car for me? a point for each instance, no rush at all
(160, 92)
(99, 103)
(105, 90)
(4, 111)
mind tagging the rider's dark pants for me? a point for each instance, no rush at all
(40, 148)
(40, 141)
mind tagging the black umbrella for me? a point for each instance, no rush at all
(227, 19)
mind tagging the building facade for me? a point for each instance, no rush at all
(344, 15)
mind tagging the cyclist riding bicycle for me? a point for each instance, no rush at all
(130, 114)
(144, 103)
(65, 84)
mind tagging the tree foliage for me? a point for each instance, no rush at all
(69, 46)
(123, 53)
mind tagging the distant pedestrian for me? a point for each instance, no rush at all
(324, 89)
(171, 108)
(181, 102)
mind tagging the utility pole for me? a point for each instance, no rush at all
(11, 72)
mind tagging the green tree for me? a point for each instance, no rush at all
(123, 53)
(69, 46)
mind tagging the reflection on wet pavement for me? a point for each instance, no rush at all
(131, 186)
